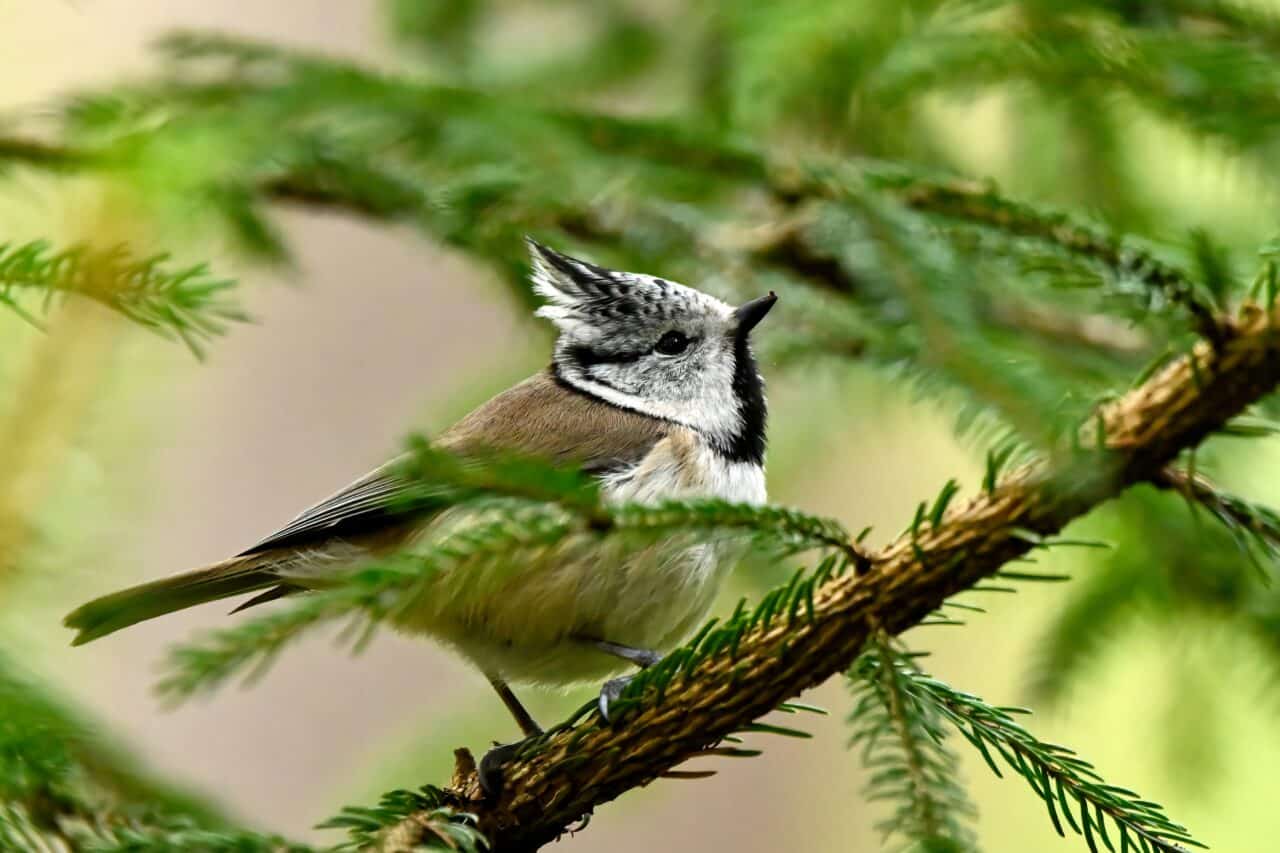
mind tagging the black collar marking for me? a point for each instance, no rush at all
(748, 444)
(585, 357)
(748, 388)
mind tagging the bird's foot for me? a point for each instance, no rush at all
(577, 826)
(644, 658)
(491, 767)
(611, 692)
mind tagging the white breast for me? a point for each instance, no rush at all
(690, 469)
(740, 482)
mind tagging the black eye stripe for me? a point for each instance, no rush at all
(586, 357)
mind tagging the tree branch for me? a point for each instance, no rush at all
(1131, 440)
(41, 153)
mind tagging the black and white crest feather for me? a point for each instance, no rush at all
(656, 347)
(578, 291)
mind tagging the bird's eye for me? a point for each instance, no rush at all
(672, 343)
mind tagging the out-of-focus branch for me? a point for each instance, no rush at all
(1130, 440)
(1252, 526)
(40, 153)
(1096, 331)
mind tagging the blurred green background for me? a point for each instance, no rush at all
(122, 458)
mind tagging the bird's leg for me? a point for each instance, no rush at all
(523, 719)
(612, 689)
(490, 769)
(643, 658)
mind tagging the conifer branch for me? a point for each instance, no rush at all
(740, 671)
(902, 746)
(187, 303)
(1069, 786)
(1247, 21)
(979, 204)
(1093, 331)
(1255, 528)
(62, 786)
(174, 835)
(421, 814)
(322, 174)
(38, 152)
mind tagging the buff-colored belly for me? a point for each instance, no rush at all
(528, 623)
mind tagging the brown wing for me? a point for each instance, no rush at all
(543, 417)
(538, 417)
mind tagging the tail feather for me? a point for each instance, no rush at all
(127, 607)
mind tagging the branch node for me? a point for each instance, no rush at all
(464, 769)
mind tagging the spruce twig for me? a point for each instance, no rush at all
(187, 303)
(903, 747)
(1071, 789)
(1255, 528)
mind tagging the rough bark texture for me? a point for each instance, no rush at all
(1130, 440)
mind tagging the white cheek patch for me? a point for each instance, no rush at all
(713, 412)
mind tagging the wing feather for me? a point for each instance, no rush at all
(365, 506)
(538, 417)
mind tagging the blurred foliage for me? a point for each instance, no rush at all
(185, 303)
(60, 782)
(1169, 561)
(65, 787)
(819, 148)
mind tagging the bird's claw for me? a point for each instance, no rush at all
(610, 692)
(580, 824)
(489, 772)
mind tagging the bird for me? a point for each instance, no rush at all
(652, 389)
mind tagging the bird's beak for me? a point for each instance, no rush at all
(750, 314)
